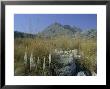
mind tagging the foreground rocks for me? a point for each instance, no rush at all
(58, 63)
(65, 64)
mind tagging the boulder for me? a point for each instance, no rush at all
(81, 73)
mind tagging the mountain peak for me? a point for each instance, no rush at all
(57, 29)
(56, 23)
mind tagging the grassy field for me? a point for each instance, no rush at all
(41, 47)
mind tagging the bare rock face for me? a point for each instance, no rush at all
(64, 63)
(81, 73)
(67, 70)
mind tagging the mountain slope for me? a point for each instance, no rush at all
(57, 29)
(18, 34)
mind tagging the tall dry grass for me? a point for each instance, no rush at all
(41, 47)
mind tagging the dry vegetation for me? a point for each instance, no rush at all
(41, 47)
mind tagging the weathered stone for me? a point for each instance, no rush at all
(65, 63)
(81, 73)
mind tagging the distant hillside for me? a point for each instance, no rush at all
(91, 33)
(23, 35)
(56, 29)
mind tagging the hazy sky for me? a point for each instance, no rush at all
(33, 23)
